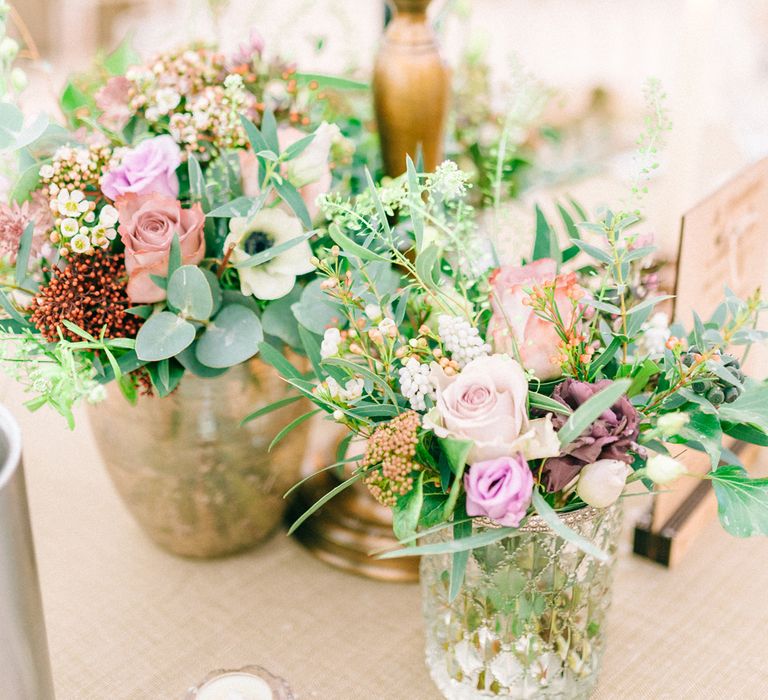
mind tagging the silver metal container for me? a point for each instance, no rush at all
(25, 672)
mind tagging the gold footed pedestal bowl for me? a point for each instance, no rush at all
(198, 483)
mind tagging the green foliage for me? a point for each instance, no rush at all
(742, 502)
(232, 337)
(590, 410)
(162, 336)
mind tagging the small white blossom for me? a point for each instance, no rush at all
(46, 171)
(71, 203)
(351, 391)
(387, 327)
(108, 216)
(338, 415)
(69, 227)
(373, 311)
(448, 181)
(80, 243)
(90, 217)
(167, 99)
(655, 335)
(461, 339)
(330, 345)
(415, 384)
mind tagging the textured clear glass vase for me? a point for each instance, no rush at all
(199, 483)
(529, 621)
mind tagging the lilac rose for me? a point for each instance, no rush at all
(499, 489)
(612, 436)
(150, 168)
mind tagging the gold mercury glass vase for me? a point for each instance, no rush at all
(199, 483)
(529, 621)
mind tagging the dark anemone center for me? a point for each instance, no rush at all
(258, 242)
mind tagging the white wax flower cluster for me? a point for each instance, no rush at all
(415, 384)
(461, 339)
(330, 344)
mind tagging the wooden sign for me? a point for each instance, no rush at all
(723, 242)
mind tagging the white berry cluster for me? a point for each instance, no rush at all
(415, 384)
(461, 339)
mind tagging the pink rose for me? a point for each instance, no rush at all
(309, 172)
(537, 340)
(499, 489)
(147, 226)
(150, 168)
(487, 403)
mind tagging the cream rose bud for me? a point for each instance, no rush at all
(312, 163)
(601, 483)
(662, 469)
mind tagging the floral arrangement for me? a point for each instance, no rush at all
(493, 393)
(166, 227)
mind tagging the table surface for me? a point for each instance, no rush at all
(126, 620)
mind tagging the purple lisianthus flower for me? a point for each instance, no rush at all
(150, 168)
(611, 436)
(499, 489)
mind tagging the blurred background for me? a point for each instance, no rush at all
(711, 56)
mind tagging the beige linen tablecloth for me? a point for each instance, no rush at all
(126, 620)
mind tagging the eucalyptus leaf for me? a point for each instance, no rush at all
(350, 247)
(547, 403)
(290, 195)
(278, 320)
(190, 293)
(322, 501)
(405, 517)
(232, 337)
(459, 560)
(240, 206)
(188, 360)
(163, 335)
(545, 243)
(274, 251)
(315, 310)
(456, 545)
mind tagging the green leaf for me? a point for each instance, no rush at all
(331, 81)
(550, 517)
(750, 408)
(126, 363)
(322, 501)
(312, 347)
(290, 195)
(545, 244)
(547, 404)
(163, 335)
(73, 99)
(293, 424)
(405, 516)
(232, 337)
(415, 202)
(241, 206)
(298, 147)
(604, 358)
(349, 246)
(704, 429)
(165, 376)
(190, 293)
(461, 545)
(456, 452)
(315, 310)
(11, 310)
(742, 502)
(26, 182)
(269, 131)
(22, 259)
(188, 360)
(122, 58)
(746, 433)
(570, 226)
(144, 311)
(275, 358)
(274, 406)
(197, 183)
(382, 215)
(461, 529)
(593, 251)
(174, 255)
(255, 137)
(427, 266)
(278, 320)
(274, 251)
(590, 411)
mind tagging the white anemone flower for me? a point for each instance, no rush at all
(268, 228)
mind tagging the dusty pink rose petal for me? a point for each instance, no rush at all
(513, 321)
(147, 226)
